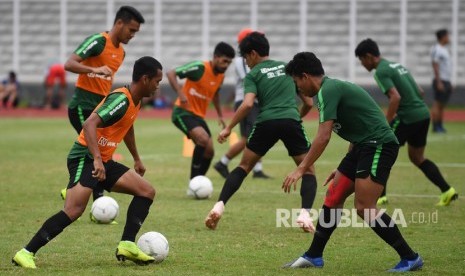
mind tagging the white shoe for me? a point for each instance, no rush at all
(305, 222)
(211, 221)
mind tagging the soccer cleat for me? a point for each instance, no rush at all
(305, 261)
(261, 174)
(94, 220)
(305, 222)
(221, 169)
(447, 197)
(24, 258)
(128, 250)
(211, 221)
(63, 194)
(408, 265)
(382, 200)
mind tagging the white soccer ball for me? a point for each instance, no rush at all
(154, 244)
(200, 187)
(105, 209)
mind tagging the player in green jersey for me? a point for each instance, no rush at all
(407, 114)
(278, 119)
(347, 110)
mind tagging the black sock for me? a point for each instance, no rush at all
(308, 190)
(327, 223)
(390, 233)
(197, 160)
(232, 184)
(434, 175)
(137, 212)
(97, 192)
(205, 165)
(49, 230)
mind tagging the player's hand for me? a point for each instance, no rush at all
(291, 179)
(139, 167)
(224, 134)
(330, 177)
(103, 70)
(183, 100)
(221, 123)
(99, 170)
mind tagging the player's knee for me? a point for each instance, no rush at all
(149, 192)
(74, 212)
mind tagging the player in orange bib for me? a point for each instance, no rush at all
(96, 60)
(203, 81)
(90, 165)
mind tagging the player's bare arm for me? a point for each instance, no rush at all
(74, 65)
(216, 103)
(306, 106)
(239, 115)
(130, 141)
(394, 101)
(318, 146)
(90, 133)
(173, 81)
(437, 77)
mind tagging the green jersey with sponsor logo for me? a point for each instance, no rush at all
(274, 90)
(412, 108)
(357, 117)
(118, 104)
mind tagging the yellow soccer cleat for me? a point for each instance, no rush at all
(447, 197)
(382, 200)
(24, 259)
(63, 194)
(128, 250)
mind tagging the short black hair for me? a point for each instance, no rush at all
(224, 49)
(255, 41)
(367, 46)
(145, 66)
(441, 33)
(12, 75)
(305, 62)
(128, 13)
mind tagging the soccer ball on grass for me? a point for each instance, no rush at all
(200, 187)
(104, 210)
(154, 244)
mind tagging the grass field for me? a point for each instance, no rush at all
(247, 241)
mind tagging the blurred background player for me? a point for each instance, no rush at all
(203, 81)
(407, 114)
(348, 110)
(55, 75)
(90, 165)
(442, 87)
(96, 61)
(241, 69)
(278, 119)
(9, 90)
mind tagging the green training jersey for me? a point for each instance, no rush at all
(357, 117)
(274, 90)
(412, 108)
(108, 119)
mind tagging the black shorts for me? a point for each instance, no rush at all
(186, 121)
(365, 160)
(442, 97)
(265, 134)
(77, 116)
(414, 134)
(80, 170)
(246, 125)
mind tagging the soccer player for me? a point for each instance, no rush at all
(407, 114)
(278, 119)
(96, 61)
(246, 124)
(442, 69)
(203, 81)
(90, 165)
(55, 73)
(348, 110)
